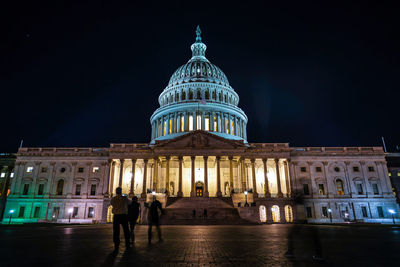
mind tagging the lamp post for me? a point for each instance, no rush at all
(245, 195)
(393, 213)
(70, 213)
(330, 214)
(154, 195)
(11, 213)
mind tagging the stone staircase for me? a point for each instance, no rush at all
(220, 211)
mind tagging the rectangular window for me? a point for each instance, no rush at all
(40, 189)
(380, 211)
(308, 212)
(80, 169)
(21, 212)
(164, 131)
(360, 190)
(371, 169)
(26, 189)
(364, 211)
(169, 126)
(91, 212)
(29, 169)
(56, 212)
(12, 175)
(321, 189)
(199, 123)
(318, 169)
(96, 169)
(78, 189)
(75, 212)
(3, 174)
(375, 189)
(36, 212)
(191, 123)
(233, 128)
(356, 169)
(207, 124)
(93, 190)
(325, 212)
(227, 126)
(303, 169)
(44, 169)
(305, 189)
(182, 123)
(215, 124)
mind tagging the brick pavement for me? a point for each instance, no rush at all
(263, 245)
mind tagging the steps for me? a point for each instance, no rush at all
(220, 211)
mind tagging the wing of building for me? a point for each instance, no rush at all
(199, 159)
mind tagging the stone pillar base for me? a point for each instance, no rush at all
(180, 194)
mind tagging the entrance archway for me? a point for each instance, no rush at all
(275, 214)
(109, 214)
(199, 189)
(263, 213)
(288, 213)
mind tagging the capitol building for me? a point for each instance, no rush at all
(198, 157)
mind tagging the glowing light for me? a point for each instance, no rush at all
(11, 211)
(391, 211)
(329, 210)
(70, 211)
(153, 193)
(245, 193)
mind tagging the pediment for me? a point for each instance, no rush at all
(201, 140)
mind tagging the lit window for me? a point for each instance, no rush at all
(215, 124)
(321, 189)
(207, 124)
(233, 128)
(12, 175)
(29, 169)
(96, 169)
(227, 126)
(339, 187)
(165, 128)
(390, 174)
(398, 173)
(190, 123)
(75, 212)
(182, 123)
(169, 126)
(199, 123)
(3, 174)
(91, 212)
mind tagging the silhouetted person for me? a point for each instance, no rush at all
(133, 215)
(194, 214)
(205, 214)
(154, 219)
(119, 205)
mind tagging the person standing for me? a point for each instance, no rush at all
(119, 205)
(154, 218)
(133, 215)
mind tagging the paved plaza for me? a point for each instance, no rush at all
(260, 245)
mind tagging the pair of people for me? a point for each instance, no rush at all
(126, 215)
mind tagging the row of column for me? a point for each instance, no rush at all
(267, 190)
(179, 122)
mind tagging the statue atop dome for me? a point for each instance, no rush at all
(198, 34)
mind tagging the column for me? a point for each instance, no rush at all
(242, 162)
(111, 189)
(186, 122)
(229, 124)
(144, 190)
(132, 189)
(167, 175)
(167, 127)
(236, 126)
(70, 181)
(206, 194)
(253, 174)
(349, 183)
(219, 122)
(192, 193)
(106, 189)
(329, 188)
(288, 187)
(194, 121)
(180, 193)
(178, 123)
(212, 115)
(266, 182)
(278, 178)
(203, 121)
(244, 131)
(230, 174)
(121, 172)
(155, 174)
(219, 193)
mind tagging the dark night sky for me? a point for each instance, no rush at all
(89, 74)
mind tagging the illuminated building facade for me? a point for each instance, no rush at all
(199, 158)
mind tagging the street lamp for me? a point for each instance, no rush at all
(11, 213)
(391, 211)
(154, 195)
(330, 214)
(245, 195)
(70, 213)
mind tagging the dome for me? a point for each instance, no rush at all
(198, 68)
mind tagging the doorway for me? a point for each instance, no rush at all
(199, 189)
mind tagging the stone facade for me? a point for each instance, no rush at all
(199, 152)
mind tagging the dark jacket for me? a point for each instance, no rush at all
(133, 211)
(153, 211)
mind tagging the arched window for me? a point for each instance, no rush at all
(220, 96)
(275, 214)
(183, 96)
(214, 95)
(288, 213)
(207, 95)
(166, 100)
(263, 214)
(225, 99)
(198, 94)
(170, 99)
(339, 187)
(60, 187)
(190, 95)
(177, 97)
